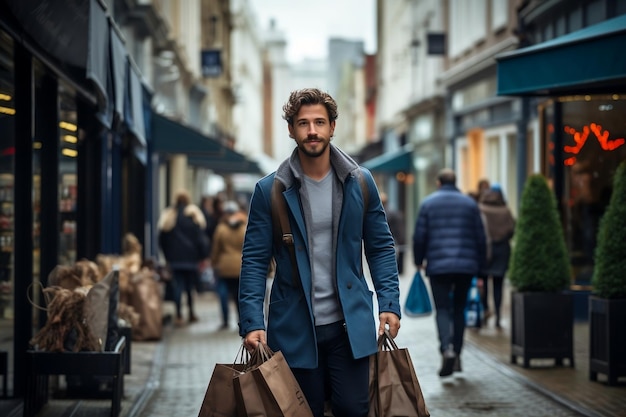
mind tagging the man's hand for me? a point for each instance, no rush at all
(391, 320)
(253, 338)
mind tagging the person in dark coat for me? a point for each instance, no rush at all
(500, 226)
(184, 244)
(450, 240)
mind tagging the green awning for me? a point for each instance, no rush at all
(170, 137)
(587, 61)
(400, 160)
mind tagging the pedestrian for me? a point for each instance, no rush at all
(321, 312)
(226, 252)
(215, 216)
(481, 187)
(500, 226)
(395, 219)
(183, 242)
(449, 239)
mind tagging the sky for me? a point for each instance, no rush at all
(309, 24)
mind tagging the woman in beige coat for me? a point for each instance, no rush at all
(226, 256)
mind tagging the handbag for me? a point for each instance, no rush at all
(394, 389)
(219, 399)
(269, 388)
(417, 302)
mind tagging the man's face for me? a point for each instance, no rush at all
(312, 130)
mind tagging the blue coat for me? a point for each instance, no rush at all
(449, 234)
(291, 327)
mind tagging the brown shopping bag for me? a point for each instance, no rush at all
(268, 388)
(219, 399)
(394, 388)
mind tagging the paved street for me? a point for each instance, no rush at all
(483, 388)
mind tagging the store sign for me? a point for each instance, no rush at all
(436, 43)
(580, 138)
(211, 61)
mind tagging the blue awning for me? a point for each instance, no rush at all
(400, 160)
(587, 61)
(170, 137)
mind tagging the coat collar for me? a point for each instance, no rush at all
(290, 170)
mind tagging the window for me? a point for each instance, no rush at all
(594, 143)
(499, 14)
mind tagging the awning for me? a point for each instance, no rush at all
(119, 61)
(133, 104)
(170, 137)
(400, 160)
(587, 61)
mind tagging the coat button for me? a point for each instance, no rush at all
(349, 285)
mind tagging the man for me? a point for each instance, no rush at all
(321, 312)
(449, 235)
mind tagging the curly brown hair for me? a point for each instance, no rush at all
(306, 96)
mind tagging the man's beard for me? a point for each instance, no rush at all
(313, 154)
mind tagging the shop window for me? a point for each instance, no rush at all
(68, 132)
(594, 143)
(7, 169)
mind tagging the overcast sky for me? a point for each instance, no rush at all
(309, 24)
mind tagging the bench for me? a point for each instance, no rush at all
(41, 364)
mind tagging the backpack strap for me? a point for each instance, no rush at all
(365, 190)
(282, 227)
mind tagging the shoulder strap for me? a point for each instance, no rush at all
(364, 189)
(282, 228)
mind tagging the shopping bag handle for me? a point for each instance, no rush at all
(242, 357)
(386, 342)
(261, 354)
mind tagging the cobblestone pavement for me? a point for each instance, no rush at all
(484, 387)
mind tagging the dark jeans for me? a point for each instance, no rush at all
(185, 282)
(347, 378)
(498, 283)
(227, 289)
(450, 296)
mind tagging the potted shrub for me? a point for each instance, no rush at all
(607, 304)
(539, 271)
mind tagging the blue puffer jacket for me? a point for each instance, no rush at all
(449, 234)
(291, 327)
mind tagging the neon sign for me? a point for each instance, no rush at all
(580, 138)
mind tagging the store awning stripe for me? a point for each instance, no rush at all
(98, 50)
(118, 69)
(586, 60)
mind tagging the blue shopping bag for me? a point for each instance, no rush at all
(474, 307)
(417, 302)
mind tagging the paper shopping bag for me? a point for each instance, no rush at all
(219, 399)
(417, 302)
(394, 388)
(270, 389)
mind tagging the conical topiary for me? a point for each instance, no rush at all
(539, 260)
(609, 273)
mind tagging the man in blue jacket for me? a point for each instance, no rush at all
(449, 236)
(321, 313)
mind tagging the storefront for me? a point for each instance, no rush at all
(73, 166)
(580, 109)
